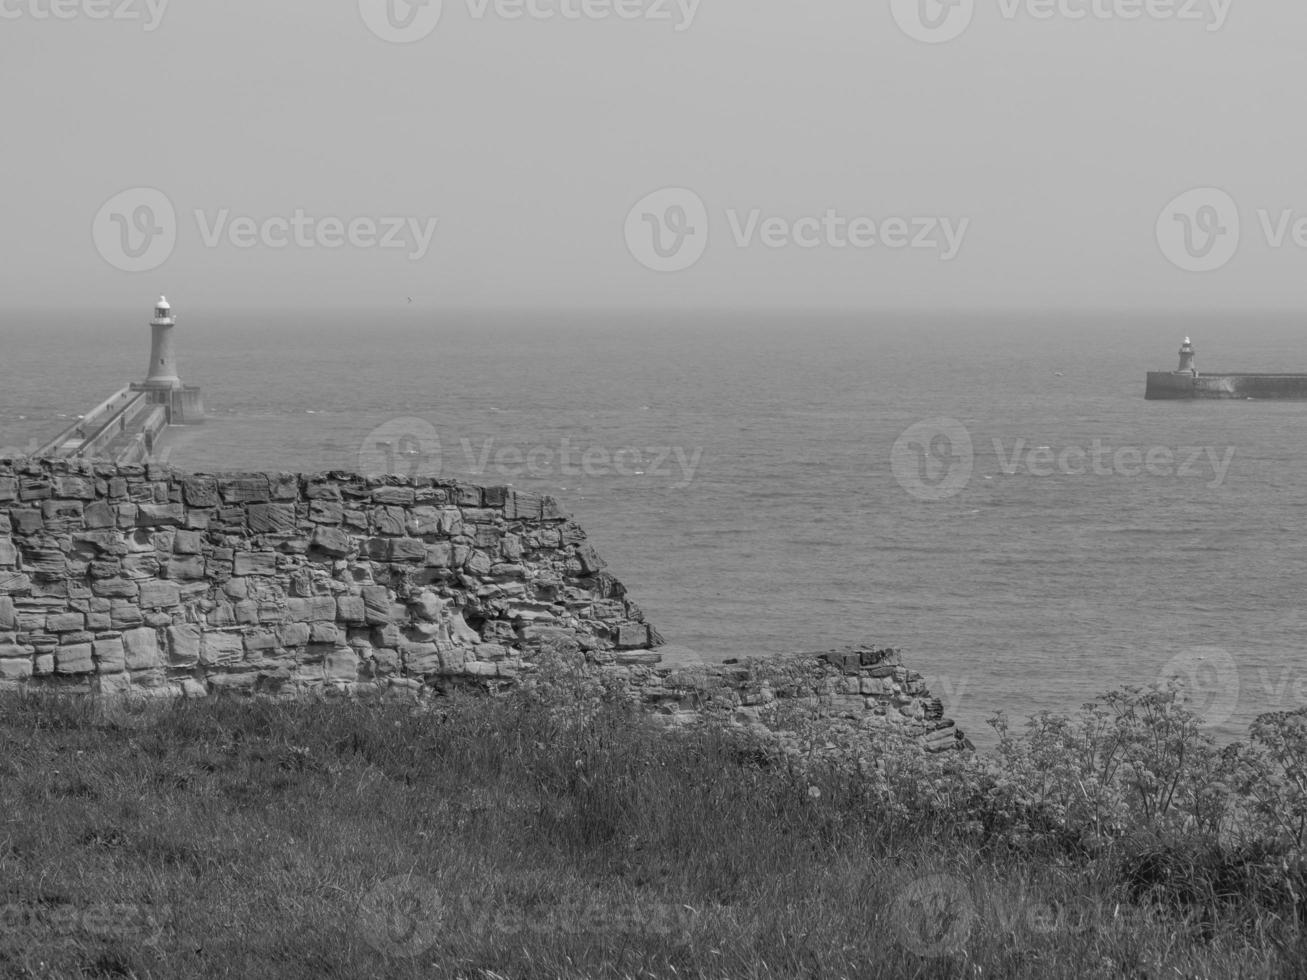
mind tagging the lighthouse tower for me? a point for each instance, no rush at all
(1187, 359)
(163, 354)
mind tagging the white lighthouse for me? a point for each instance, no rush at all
(183, 404)
(1187, 359)
(163, 355)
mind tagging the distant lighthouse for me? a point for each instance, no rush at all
(183, 404)
(163, 354)
(1187, 359)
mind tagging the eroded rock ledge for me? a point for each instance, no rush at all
(142, 579)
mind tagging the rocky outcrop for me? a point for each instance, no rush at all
(141, 579)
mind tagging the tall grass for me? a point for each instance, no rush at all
(555, 832)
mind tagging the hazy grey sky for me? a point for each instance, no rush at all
(1031, 157)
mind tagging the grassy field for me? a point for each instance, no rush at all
(500, 838)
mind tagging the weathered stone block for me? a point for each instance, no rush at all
(256, 563)
(589, 559)
(45, 562)
(200, 492)
(155, 594)
(322, 490)
(326, 511)
(8, 615)
(188, 543)
(160, 515)
(272, 518)
(8, 553)
(350, 609)
(399, 496)
(407, 549)
(420, 658)
(140, 566)
(342, 664)
(115, 587)
(184, 644)
(188, 568)
(376, 604)
(75, 487)
(125, 615)
(98, 514)
(389, 521)
(324, 633)
(332, 540)
(293, 634)
(34, 488)
(110, 657)
(218, 648)
(65, 622)
(75, 659)
(524, 506)
(14, 583)
(246, 488)
(141, 649)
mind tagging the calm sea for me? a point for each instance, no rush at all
(738, 473)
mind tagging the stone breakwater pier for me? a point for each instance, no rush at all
(127, 426)
(120, 579)
(1187, 383)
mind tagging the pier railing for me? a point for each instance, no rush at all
(98, 427)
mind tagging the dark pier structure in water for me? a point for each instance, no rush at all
(1186, 382)
(127, 426)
